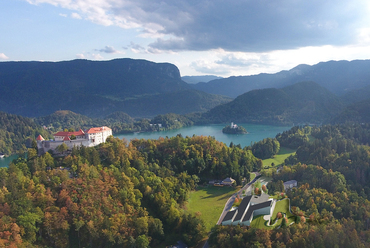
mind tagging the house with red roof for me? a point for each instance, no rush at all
(98, 135)
(62, 135)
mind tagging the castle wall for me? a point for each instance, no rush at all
(47, 145)
(88, 140)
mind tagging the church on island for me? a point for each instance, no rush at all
(91, 137)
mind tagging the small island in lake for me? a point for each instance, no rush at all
(234, 129)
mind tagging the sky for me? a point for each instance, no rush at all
(201, 37)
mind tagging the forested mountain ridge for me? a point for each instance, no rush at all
(337, 76)
(358, 112)
(304, 102)
(98, 88)
(119, 122)
(356, 95)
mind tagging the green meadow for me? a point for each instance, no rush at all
(278, 158)
(210, 202)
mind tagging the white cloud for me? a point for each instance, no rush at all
(3, 56)
(97, 57)
(80, 56)
(76, 16)
(249, 26)
(231, 37)
(109, 49)
(63, 15)
(207, 68)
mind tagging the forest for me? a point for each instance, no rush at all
(331, 166)
(17, 132)
(119, 122)
(133, 194)
(117, 194)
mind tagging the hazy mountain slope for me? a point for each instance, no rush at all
(94, 88)
(300, 103)
(356, 95)
(180, 102)
(357, 112)
(197, 79)
(337, 76)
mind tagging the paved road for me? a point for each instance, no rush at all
(231, 200)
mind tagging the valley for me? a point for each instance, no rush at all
(155, 169)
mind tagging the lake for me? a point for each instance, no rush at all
(4, 162)
(255, 133)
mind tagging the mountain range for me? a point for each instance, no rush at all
(198, 79)
(140, 88)
(338, 77)
(97, 88)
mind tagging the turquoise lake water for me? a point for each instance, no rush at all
(6, 161)
(255, 133)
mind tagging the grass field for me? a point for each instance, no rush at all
(259, 222)
(283, 206)
(278, 158)
(209, 201)
(252, 176)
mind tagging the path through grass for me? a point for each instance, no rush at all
(209, 201)
(278, 158)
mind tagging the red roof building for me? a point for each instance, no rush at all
(98, 130)
(92, 137)
(62, 135)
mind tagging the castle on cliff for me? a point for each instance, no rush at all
(91, 137)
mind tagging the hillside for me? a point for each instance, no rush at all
(338, 77)
(357, 95)
(66, 119)
(305, 102)
(119, 122)
(17, 133)
(97, 88)
(357, 112)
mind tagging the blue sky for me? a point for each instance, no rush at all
(201, 37)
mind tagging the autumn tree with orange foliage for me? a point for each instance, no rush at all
(279, 215)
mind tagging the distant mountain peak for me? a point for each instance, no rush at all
(338, 77)
(300, 69)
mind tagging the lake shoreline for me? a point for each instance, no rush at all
(255, 133)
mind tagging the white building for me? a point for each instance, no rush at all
(98, 135)
(290, 184)
(249, 207)
(91, 137)
(233, 125)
